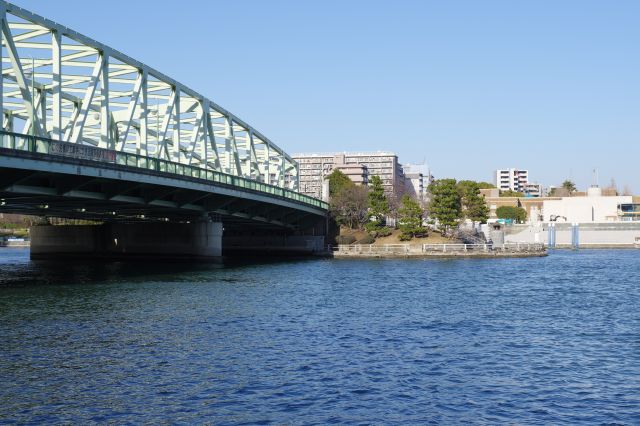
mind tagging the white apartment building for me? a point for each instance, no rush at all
(415, 185)
(511, 179)
(417, 180)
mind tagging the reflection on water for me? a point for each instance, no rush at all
(530, 341)
(86, 271)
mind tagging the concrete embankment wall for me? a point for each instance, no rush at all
(153, 240)
(596, 235)
(274, 245)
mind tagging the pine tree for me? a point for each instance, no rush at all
(378, 203)
(445, 206)
(410, 216)
(473, 204)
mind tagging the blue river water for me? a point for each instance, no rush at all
(527, 341)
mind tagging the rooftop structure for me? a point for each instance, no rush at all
(533, 190)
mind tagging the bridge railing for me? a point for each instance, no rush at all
(20, 142)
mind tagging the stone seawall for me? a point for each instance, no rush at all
(470, 255)
(439, 251)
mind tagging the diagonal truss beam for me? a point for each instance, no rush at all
(19, 74)
(60, 84)
(81, 117)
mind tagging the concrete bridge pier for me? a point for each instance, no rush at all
(151, 240)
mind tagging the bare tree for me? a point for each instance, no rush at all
(349, 207)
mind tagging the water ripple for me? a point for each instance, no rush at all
(526, 341)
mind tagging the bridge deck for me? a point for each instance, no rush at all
(46, 177)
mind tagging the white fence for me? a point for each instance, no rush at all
(400, 249)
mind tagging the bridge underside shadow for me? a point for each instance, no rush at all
(151, 213)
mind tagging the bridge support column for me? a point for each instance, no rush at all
(190, 241)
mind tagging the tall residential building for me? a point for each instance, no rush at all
(358, 166)
(417, 180)
(358, 173)
(415, 185)
(511, 179)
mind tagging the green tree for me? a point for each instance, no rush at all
(410, 216)
(569, 186)
(445, 206)
(486, 185)
(511, 193)
(473, 204)
(338, 182)
(378, 203)
(517, 214)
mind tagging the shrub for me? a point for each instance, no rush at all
(367, 239)
(345, 239)
(405, 236)
(517, 214)
(384, 232)
(8, 225)
(21, 233)
(372, 228)
(423, 234)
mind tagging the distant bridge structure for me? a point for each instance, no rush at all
(89, 132)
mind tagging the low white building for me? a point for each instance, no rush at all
(592, 208)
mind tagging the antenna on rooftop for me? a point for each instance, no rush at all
(595, 179)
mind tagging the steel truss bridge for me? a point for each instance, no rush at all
(89, 132)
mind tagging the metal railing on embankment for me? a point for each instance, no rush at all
(440, 249)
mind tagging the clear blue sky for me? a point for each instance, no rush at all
(470, 86)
